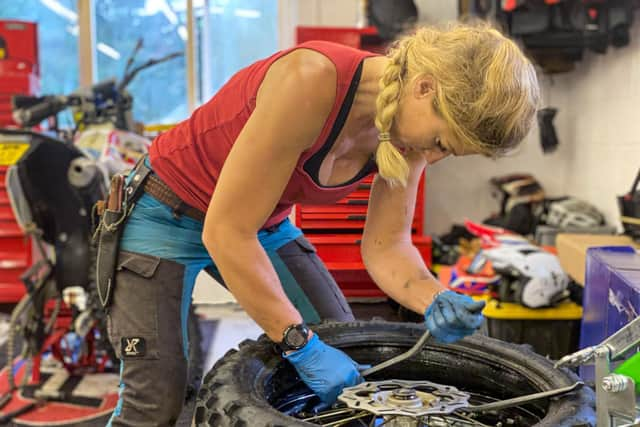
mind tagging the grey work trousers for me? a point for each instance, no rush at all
(145, 316)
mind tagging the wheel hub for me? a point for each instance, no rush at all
(399, 398)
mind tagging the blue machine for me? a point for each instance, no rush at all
(612, 295)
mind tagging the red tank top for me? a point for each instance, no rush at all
(190, 156)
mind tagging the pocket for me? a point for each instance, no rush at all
(141, 264)
(305, 245)
(134, 312)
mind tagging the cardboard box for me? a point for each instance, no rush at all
(572, 250)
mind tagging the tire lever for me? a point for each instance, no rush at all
(501, 404)
(399, 358)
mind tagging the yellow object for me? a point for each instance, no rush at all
(159, 127)
(566, 310)
(2, 53)
(10, 152)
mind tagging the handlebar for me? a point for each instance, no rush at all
(47, 107)
(25, 101)
(29, 111)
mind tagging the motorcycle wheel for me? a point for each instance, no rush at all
(245, 387)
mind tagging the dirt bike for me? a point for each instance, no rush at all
(53, 188)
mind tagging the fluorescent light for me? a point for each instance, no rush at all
(247, 13)
(56, 7)
(152, 7)
(108, 50)
(73, 30)
(168, 12)
(182, 32)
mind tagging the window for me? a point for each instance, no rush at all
(230, 35)
(159, 92)
(239, 33)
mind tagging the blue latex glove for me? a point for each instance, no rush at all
(452, 316)
(325, 369)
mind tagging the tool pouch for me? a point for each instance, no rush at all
(109, 232)
(116, 209)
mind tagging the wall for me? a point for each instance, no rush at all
(599, 152)
(601, 124)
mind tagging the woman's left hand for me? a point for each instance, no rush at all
(452, 316)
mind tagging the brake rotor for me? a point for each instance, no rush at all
(413, 399)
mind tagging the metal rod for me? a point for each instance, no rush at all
(399, 358)
(624, 340)
(328, 414)
(342, 422)
(501, 404)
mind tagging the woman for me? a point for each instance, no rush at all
(305, 125)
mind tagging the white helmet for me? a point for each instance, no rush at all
(535, 277)
(573, 213)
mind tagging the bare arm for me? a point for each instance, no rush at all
(388, 253)
(293, 103)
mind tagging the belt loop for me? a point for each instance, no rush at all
(178, 211)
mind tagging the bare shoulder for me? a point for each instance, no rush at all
(304, 66)
(303, 73)
(302, 86)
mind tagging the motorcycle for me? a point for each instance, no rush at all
(53, 188)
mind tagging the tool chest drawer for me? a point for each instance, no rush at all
(15, 249)
(341, 255)
(339, 221)
(337, 249)
(349, 214)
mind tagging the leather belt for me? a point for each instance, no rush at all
(161, 191)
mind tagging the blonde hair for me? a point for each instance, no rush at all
(486, 90)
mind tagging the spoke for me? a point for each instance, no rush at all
(329, 414)
(297, 399)
(346, 420)
(473, 422)
(450, 420)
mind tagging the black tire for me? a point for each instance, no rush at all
(241, 387)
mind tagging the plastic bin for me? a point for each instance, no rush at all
(552, 332)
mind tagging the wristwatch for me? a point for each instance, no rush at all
(294, 337)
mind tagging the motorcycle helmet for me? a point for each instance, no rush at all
(530, 276)
(573, 213)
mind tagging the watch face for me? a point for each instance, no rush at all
(296, 338)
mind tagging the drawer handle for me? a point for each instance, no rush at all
(356, 217)
(364, 186)
(357, 202)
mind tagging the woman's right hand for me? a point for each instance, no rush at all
(324, 369)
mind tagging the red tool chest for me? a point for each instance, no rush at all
(350, 213)
(336, 230)
(19, 69)
(15, 249)
(19, 75)
(366, 38)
